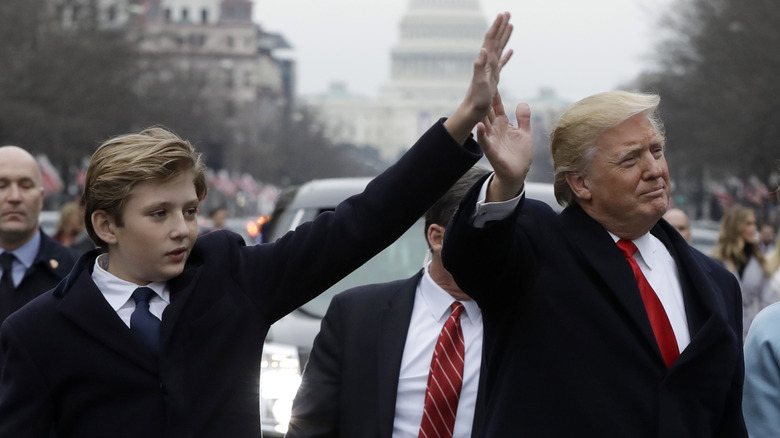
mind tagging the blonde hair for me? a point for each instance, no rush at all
(730, 247)
(154, 154)
(773, 259)
(68, 210)
(573, 142)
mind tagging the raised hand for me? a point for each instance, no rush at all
(509, 149)
(484, 82)
(488, 65)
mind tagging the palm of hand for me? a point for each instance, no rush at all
(509, 148)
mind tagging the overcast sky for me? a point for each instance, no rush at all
(577, 47)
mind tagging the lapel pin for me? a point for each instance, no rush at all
(54, 263)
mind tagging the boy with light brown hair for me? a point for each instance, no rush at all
(159, 335)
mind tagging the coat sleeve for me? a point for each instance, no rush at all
(317, 406)
(490, 261)
(305, 262)
(761, 400)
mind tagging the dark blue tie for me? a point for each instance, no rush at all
(144, 325)
(6, 284)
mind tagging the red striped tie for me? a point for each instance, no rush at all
(444, 379)
(662, 329)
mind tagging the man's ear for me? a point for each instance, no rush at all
(579, 184)
(104, 226)
(435, 236)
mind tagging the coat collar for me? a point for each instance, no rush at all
(705, 307)
(53, 257)
(83, 304)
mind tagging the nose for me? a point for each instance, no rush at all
(13, 193)
(652, 166)
(180, 227)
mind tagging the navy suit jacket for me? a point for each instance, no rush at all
(73, 365)
(569, 350)
(51, 265)
(350, 384)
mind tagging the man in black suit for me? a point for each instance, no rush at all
(584, 337)
(361, 380)
(160, 335)
(37, 262)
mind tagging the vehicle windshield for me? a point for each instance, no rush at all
(400, 260)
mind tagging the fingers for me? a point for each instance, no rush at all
(505, 58)
(523, 115)
(498, 35)
(505, 31)
(482, 137)
(498, 105)
(498, 28)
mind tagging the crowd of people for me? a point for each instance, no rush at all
(601, 320)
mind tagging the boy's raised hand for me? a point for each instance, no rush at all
(484, 82)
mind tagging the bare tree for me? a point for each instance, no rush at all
(718, 78)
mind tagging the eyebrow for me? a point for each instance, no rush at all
(633, 148)
(167, 204)
(22, 179)
(629, 150)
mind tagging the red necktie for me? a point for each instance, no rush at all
(444, 379)
(662, 329)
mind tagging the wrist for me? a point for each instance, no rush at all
(500, 190)
(463, 120)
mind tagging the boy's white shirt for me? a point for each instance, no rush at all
(119, 292)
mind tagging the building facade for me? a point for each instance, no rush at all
(214, 43)
(431, 68)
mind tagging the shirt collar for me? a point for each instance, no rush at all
(646, 246)
(26, 253)
(438, 301)
(118, 291)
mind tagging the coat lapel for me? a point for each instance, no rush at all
(181, 287)
(705, 307)
(604, 263)
(84, 306)
(394, 321)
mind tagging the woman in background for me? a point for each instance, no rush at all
(737, 248)
(71, 223)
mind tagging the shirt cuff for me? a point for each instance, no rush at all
(493, 211)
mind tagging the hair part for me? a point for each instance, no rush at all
(573, 143)
(120, 163)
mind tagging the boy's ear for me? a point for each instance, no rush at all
(104, 226)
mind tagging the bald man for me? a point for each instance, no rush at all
(679, 220)
(30, 261)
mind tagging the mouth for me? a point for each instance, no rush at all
(177, 254)
(657, 191)
(13, 213)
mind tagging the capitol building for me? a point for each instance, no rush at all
(431, 68)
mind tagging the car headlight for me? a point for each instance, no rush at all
(280, 376)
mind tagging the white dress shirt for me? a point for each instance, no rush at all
(654, 260)
(660, 270)
(431, 310)
(119, 293)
